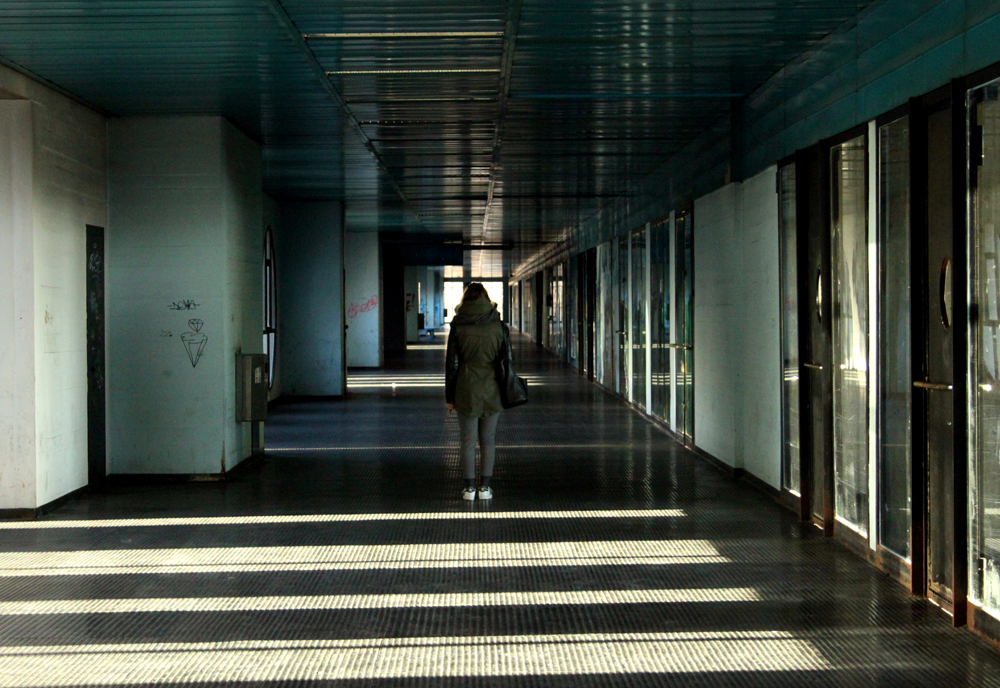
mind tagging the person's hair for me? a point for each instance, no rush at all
(474, 292)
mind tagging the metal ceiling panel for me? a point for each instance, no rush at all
(409, 110)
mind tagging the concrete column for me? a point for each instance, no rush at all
(361, 269)
(17, 308)
(184, 291)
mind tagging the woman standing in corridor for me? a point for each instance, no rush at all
(471, 385)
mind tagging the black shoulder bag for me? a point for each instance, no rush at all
(513, 389)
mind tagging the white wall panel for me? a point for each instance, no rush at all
(757, 344)
(715, 403)
(737, 327)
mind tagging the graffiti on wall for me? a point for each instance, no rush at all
(357, 309)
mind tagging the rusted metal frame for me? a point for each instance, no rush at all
(506, 63)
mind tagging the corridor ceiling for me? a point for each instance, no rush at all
(493, 121)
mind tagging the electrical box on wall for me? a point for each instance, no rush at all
(251, 387)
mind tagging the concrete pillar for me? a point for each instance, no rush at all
(309, 242)
(410, 282)
(17, 308)
(184, 291)
(363, 298)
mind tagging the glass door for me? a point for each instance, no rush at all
(984, 348)
(638, 307)
(936, 383)
(790, 402)
(684, 341)
(849, 275)
(895, 376)
(659, 335)
(624, 351)
(605, 318)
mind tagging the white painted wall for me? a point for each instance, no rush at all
(737, 332)
(715, 402)
(758, 320)
(17, 306)
(361, 270)
(66, 191)
(309, 243)
(184, 245)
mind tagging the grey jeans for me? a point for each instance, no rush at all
(485, 430)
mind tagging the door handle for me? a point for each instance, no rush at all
(933, 385)
(685, 347)
(812, 366)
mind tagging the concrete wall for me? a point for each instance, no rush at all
(364, 322)
(411, 278)
(62, 188)
(737, 327)
(17, 306)
(310, 247)
(184, 291)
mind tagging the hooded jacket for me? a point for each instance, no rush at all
(473, 344)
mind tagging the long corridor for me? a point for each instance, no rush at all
(610, 556)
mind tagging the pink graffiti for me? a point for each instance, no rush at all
(357, 309)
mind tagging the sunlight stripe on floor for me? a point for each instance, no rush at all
(353, 557)
(338, 518)
(383, 658)
(334, 602)
(630, 447)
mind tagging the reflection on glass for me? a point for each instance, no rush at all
(623, 332)
(984, 347)
(604, 363)
(895, 372)
(557, 281)
(684, 292)
(849, 311)
(659, 335)
(639, 318)
(791, 461)
(572, 332)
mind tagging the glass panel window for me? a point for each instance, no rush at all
(606, 315)
(638, 302)
(659, 304)
(684, 295)
(791, 460)
(849, 264)
(895, 387)
(984, 349)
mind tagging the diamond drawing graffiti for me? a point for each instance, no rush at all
(195, 340)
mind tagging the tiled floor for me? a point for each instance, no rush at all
(609, 557)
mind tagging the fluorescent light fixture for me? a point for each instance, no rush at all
(359, 557)
(402, 34)
(413, 71)
(334, 518)
(266, 661)
(404, 601)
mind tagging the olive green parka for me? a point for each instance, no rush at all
(473, 344)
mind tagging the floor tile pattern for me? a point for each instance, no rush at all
(610, 556)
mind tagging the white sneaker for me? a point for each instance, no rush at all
(485, 493)
(469, 494)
